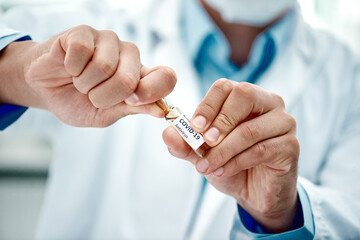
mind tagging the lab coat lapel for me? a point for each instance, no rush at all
(169, 51)
(6, 31)
(288, 82)
(289, 74)
(187, 95)
(217, 210)
(288, 77)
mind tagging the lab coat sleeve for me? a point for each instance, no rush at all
(10, 113)
(239, 230)
(43, 22)
(32, 121)
(335, 200)
(8, 36)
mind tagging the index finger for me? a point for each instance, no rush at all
(245, 101)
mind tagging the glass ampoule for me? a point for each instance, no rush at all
(181, 123)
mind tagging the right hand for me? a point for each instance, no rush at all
(90, 78)
(254, 150)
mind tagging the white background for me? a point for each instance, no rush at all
(29, 157)
(341, 17)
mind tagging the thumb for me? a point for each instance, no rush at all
(155, 83)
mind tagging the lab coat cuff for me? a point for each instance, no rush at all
(10, 113)
(12, 37)
(307, 231)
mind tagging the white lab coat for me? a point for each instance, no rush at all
(121, 183)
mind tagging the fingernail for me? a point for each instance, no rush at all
(199, 122)
(212, 134)
(132, 100)
(219, 172)
(203, 165)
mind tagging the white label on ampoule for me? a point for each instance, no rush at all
(182, 125)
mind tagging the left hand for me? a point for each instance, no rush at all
(85, 77)
(254, 154)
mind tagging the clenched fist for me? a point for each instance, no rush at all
(85, 77)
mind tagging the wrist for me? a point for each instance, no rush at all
(276, 220)
(14, 88)
(281, 221)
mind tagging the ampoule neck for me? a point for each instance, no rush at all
(173, 113)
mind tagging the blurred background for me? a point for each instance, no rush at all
(25, 158)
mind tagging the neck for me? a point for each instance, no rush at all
(239, 36)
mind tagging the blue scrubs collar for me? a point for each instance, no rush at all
(210, 50)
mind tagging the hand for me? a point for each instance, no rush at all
(254, 152)
(89, 78)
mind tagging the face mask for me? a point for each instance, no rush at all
(251, 12)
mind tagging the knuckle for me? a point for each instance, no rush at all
(128, 83)
(132, 47)
(222, 85)
(220, 82)
(294, 143)
(107, 67)
(109, 33)
(226, 121)
(82, 48)
(290, 155)
(237, 166)
(216, 157)
(221, 154)
(80, 86)
(169, 75)
(279, 100)
(245, 89)
(207, 110)
(84, 27)
(260, 150)
(290, 120)
(251, 131)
